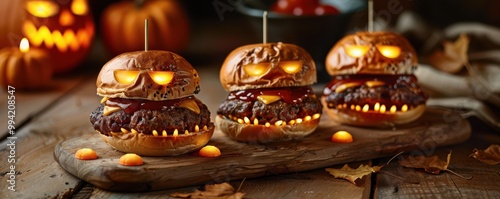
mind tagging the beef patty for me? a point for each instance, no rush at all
(146, 120)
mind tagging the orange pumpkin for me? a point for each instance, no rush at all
(24, 69)
(64, 29)
(10, 28)
(123, 22)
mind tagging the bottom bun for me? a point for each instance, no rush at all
(263, 134)
(149, 145)
(374, 119)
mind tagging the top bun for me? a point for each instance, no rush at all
(267, 65)
(371, 53)
(136, 73)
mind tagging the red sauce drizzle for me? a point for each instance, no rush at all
(132, 105)
(388, 79)
(291, 95)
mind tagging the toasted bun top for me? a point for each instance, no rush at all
(373, 61)
(142, 66)
(271, 65)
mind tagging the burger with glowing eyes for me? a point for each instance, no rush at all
(270, 95)
(148, 105)
(372, 83)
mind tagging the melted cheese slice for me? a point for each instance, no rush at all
(267, 99)
(104, 99)
(345, 86)
(190, 105)
(374, 83)
(109, 109)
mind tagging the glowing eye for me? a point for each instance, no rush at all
(125, 76)
(356, 51)
(389, 51)
(291, 67)
(161, 77)
(42, 9)
(79, 7)
(256, 69)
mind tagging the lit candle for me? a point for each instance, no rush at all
(23, 68)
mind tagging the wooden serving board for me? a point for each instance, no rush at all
(437, 127)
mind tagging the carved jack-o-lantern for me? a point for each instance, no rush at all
(373, 83)
(148, 105)
(271, 98)
(64, 29)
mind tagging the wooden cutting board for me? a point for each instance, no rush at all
(437, 127)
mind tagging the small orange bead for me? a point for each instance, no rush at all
(342, 137)
(210, 151)
(131, 159)
(86, 154)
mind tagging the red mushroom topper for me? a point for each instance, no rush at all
(372, 83)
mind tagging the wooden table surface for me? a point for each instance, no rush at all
(44, 119)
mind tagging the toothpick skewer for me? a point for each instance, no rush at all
(264, 27)
(146, 35)
(370, 15)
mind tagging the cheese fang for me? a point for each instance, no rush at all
(190, 105)
(109, 109)
(268, 99)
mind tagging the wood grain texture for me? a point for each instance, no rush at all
(302, 185)
(485, 182)
(39, 176)
(240, 160)
(30, 103)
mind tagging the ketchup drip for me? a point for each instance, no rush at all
(291, 95)
(387, 79)
(132, 105)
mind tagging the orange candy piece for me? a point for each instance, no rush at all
(86, 154)
(342, 137)
(210, 151)
(131, 159)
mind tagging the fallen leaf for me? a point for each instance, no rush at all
(351, 174)
(215, 191)
(490, 155)
(452, 57)
(430, 164)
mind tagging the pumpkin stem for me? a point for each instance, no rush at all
(139, 3)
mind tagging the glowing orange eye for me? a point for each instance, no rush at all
(79, 7)
(291, 67)
(125, 76)
(389, 51)
(161, 77)
(356, 51)
(42, 9)
(256, 69)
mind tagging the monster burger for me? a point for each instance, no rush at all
(373, 82)
(270, 95)
(148, 105)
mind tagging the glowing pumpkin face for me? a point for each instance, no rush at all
(372, 53)
(64, 29)
(151, 75)
(267, 66)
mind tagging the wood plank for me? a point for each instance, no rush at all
(30, 103)
(240, 160)
(38, 175)
(312, 184)
(484, 184)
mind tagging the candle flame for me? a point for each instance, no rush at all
(24, 46)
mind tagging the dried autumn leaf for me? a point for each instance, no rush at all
(452, 57)
(215, 191)
(351, 174)
(430, 164)
(490, 155)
